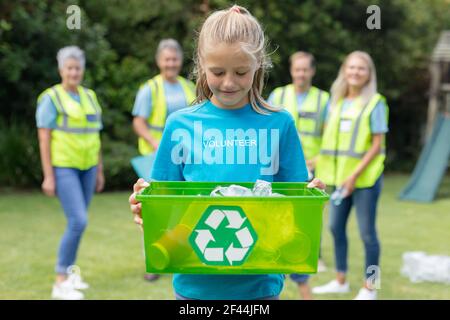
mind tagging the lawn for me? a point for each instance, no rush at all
(111, 257)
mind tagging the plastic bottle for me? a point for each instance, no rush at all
(338, 195)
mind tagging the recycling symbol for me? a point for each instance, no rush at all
(223, 236)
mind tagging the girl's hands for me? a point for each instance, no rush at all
(136, 206)
(316, 183)
(49, 186)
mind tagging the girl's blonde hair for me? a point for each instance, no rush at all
(234, 25)
(339, 89)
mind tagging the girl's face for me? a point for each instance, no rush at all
(72, 72)
(169, 63)
(356, 72)
(229, 74)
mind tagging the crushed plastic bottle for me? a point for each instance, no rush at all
(419, 267)
(338, 195)
(261, 188)
(231, 191)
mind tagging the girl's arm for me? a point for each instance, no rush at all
(48, 185)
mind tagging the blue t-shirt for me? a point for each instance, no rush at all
(173, 93)
(46, 112)
(207, 143)
(378, 122)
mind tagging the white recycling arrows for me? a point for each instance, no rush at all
(203, 238)
(215, 219)
(234, 219)
(223, 252)
(214, 254)
(235, 254)
(245, 238)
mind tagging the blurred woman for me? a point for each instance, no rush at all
(160, 96)
(352, 160)
(157, 98)
(68, 118)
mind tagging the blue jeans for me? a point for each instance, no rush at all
(300, 278)
(365, 201)
(74, 189)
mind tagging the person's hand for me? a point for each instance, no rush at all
(136, 206)
(311, 165)
(316, 183)
(349, 185)
(153, 143)
(99, 181)
(49, 186)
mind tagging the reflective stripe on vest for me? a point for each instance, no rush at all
(157, 119)
(345, 144)
(65, 127)
(75, 141)
(155, 127)
(308, 119)
(312, 115)
(351, 152)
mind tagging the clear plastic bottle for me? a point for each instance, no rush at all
(338, 195)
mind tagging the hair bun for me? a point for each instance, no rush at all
(235, 9)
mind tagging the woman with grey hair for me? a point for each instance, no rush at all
(68, 119)
(158, 97)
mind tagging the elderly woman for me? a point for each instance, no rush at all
(68, 118)
(160, 96)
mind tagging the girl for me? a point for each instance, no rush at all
(230, 66)
(352, 157)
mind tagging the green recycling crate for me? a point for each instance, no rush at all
(188, 231)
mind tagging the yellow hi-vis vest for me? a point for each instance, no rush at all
(157, 118)
(346, 140)
(308, 121)
(75, 142)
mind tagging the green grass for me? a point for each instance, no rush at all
(111, 257)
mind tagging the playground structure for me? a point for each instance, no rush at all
(433, 161)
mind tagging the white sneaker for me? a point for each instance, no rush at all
(366, 294)
(65, 291)
(77, 282)
(332, 287)
(321, 267)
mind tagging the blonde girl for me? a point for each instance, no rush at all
(230, 66)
